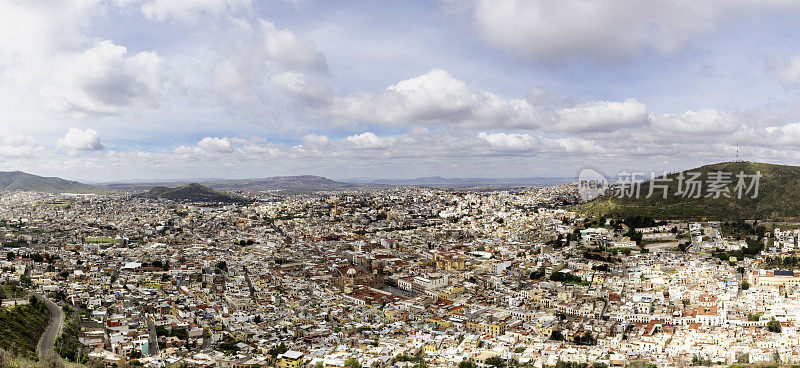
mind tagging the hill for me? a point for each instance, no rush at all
(778, 196)
(18, 180)
(21, 327)
(293, 183)
(194, 193)
(301, 183)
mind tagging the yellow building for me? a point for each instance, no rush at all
(440, 322)
(487, 327)
(290, 359)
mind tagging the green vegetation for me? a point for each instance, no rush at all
(277, 350)
(18, 180)
(778, 197)
(585, 338)
(785, 262)
(774, 326)
(352, 363)
(556, 335)
(467, 364)
(754, 317)
(568, 278)
(11, 291)
(229, 346)
(21, 327)
(194, 193)
(495, 361)
(67, 344)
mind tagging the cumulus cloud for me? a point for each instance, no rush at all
(369, 140)
(602, 116)
(290, 50)
(16, 145)
(103, 80)
(506, 141)
(579, 145)
(704, 122)
(434, 98)
(437, 98)
(47, 52)
(189, 10)
(301, 86)
(80, 140)
(215, 145)
(264, 61)
(314, 140)
(551, 31)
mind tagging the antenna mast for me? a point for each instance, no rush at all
(737, 150)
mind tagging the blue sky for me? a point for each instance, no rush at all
(141, 89)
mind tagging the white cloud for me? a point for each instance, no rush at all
(16, 145)
(552, 31)
(290, 50)
(80, 140)
(104, 79)
(189, 10)
(579, 145)
(263, 62)
(703, 122)
(434, 98)
(369, 140)
(215, 145)
(301, 86)
(512, 142)
(314, 140)
(547, 30)
(602, 116)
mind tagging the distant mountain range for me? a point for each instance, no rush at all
(301, 183)
(469, 182)
(193, 193)
(778, 196)
(18, 180)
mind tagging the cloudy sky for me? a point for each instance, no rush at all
(164, 89)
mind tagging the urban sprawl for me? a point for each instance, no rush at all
(399, 277)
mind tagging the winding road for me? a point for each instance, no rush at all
(48, 338)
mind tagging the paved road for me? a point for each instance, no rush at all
(153, 340)
(56, 319)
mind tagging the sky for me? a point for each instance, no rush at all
(173, 89)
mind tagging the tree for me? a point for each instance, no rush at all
(495, 361)
(467, 364)
(222, 265)
(352, 363)
(277, 350)
(774, 326)
(556, 336)
(745, 285)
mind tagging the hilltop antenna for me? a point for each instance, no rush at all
(737, 150)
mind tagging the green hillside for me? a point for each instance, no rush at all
(778, 197)
(194, 193)
(21, 327)
(18, 180)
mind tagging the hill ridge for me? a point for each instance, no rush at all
(778, 196)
